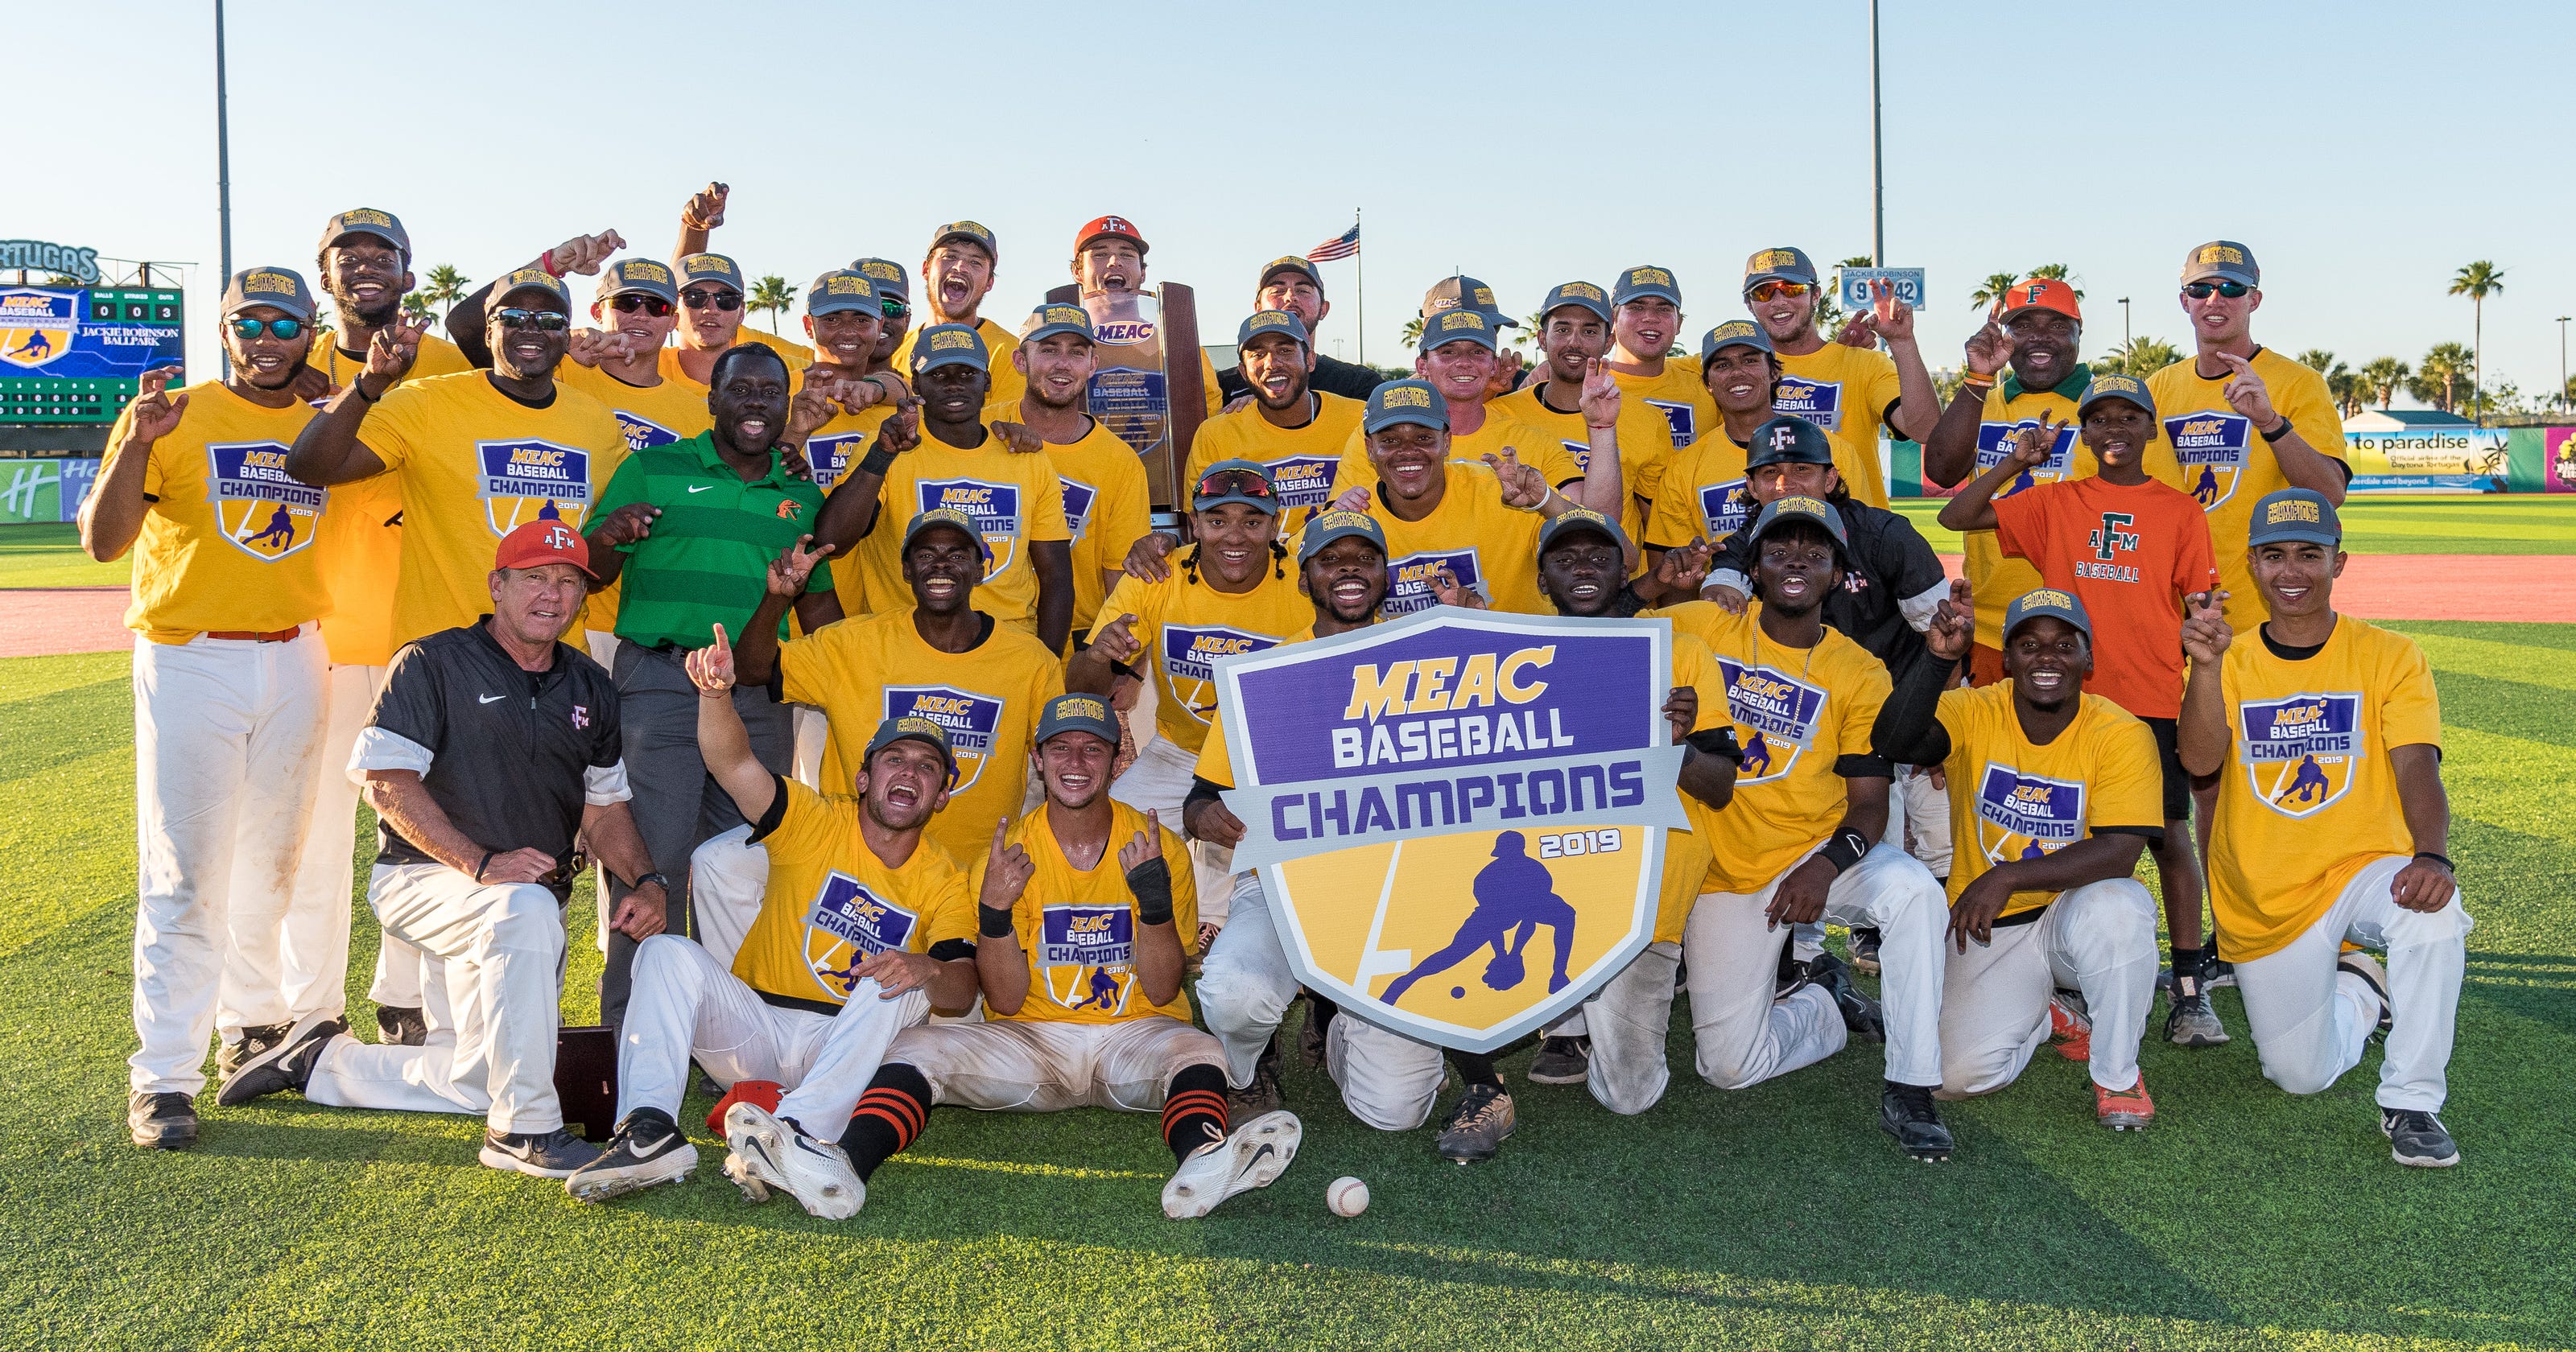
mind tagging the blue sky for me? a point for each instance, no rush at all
(2364, 151)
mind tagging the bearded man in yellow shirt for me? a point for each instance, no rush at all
(1845, 386)
(2325, 734)
(228, 705)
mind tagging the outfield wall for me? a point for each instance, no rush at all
(44, 490)
(2489, 460)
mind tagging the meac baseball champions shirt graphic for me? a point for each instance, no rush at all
(995, 508)
(2023, 816)
(2299, 753)
(848, 923)
(1190, 654)
(1775, 715)
(1995, 442)
(524, 481)
(970, 719)
(264, 511)
(2210, 447)
(1459, 816)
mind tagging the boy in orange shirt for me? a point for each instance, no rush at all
(2132, 548)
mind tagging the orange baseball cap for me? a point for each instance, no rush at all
(541, 542)
(2039, 293)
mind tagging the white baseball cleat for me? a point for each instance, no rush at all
(1252, 1156)
(769, 1153)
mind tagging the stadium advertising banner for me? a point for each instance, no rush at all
(2428, 460)
(2558, 459)
(1458, 816)
(86, 335)
(33, 491)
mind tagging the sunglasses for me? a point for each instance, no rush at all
(1233, 483)
(283, 328)
(721, 300)
(1774, 290)
(894, 309)
(651, 305)
(543, 321)
(2201, 290)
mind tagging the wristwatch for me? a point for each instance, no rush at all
(656, 879)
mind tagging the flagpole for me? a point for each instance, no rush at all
(1359, 282)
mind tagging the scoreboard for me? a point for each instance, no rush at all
(74, 354)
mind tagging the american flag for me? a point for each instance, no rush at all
(1342, 245)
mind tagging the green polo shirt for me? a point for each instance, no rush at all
(707, 561)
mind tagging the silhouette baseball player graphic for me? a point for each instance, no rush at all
(37, 345)
(2207, 489)
(1757, 758)
(2309, 781)
(1515, 892)
(1104, 992)
(278, 533)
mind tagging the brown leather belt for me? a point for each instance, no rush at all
(256, 636)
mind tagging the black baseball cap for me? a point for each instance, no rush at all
(1789, 440)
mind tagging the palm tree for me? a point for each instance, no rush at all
(2384, 375)
(771, 293)
(415, 307)
(2141, 356)
(1992, 289)
(2438, 376)
(2057, 272)
(446, 287)
(2478, 281)
(1412, 331)
(2317, 359)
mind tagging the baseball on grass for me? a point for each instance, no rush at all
(1347, 1196)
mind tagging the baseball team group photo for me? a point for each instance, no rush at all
(923, 737)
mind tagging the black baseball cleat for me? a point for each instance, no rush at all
(2376, 977)
(401, 1026)
(1561, 1060)
(1310, 1036)
(545, 1154)
(1905, 1112)
(2215, 971)
(1262, 1096)
(1860, 1013)
(1483, 1117)
(287, 1065)
(648, 1149)
(230, 1055)
(165, 1121)
(2418, 1139)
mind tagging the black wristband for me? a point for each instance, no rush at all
(993, 922)
(2279, 432)
(1717, 742)
(2443, 860)
(485, 863)
(359, 383)
(877, 461)
(1844, 850)
(1151, 881)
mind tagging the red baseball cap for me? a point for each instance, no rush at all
(542, 542)
(1119, 226)
(2039, 293)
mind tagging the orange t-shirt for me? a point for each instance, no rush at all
(2130, 553)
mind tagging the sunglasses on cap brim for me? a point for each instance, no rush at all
(1241, 483)
(2201, 290)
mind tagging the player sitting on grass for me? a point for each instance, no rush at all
(1080, 961)
(2054, 795)
(2330, 828)
(864, 928)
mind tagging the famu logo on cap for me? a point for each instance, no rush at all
(1406, 397)
(2291, 509)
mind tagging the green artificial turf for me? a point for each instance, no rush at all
(2523, 523)
(50, 556)
(1772, 1217)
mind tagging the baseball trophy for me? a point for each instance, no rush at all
(1147, 388)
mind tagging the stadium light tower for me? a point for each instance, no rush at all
(223, 149)
(1877, 170)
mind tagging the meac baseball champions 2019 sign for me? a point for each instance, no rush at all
(1459, 816)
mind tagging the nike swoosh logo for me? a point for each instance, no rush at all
(1258, 1156)
(700, 488)
(491, 699)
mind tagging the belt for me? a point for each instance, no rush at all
(256, 635)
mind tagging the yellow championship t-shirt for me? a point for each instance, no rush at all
(831, 901)
(1846, 391)
(475, 464)
(1677, 393)
(1078, 926)
(361, 546)
(860, 672)
(2018, 800)
(1216, 763)
(227, 534)
(2308, 795)
(1008, 384)
(1106, 505)
(1687, 853)
(1186, 626)
(1797, 712)
(1704, 495)
(1645, 446)
(1997, 580)
(1491, 548)
(831, 452)
(1304, 463)
(1015, 499)
(1500, 429)
(2214, 454)
(798, 355)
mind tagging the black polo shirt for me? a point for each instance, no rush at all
(1347, 379)
(512, 756)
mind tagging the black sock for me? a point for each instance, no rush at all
(1194, 1110)
(1790, 968)
(891, 1114)
(1870, 930)
(1475, 1068)
(1320, 1012)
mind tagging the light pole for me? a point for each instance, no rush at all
(223, 149)
(2124, 321)
(1877, 169)
(2562, 359)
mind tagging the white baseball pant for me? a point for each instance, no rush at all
(1744, 1035)
(1388, 1080)
(1918, 818)
(684, 1003)
(728, 875)
(227, 757)
(1159, 781)
(495, 980)
(2311, 1021)
(1049, 1065)
(2099, 939)
(1245, 983)
(317, 921)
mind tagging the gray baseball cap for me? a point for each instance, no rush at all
(1788, 511)
(1578, 519)
(647, 276)
(2300, 514)
(1585, 294)
(1056, 317)
(1077, 713)
(1779, 265)
(2222, 260)
(711, 267)
(1645, 280)
(2112, 385)
(1454, 326)
(1273, 321)
(1404, 401)
(280, 288)
(950, 345)
(1734, 333)
(2048, 601)
(1334, 525)
(887, 274)
(839, 290)
(384, 225)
